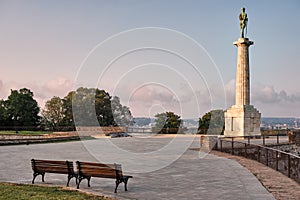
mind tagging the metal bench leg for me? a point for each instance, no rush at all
(43, 175)
(79, 181)
(125, 183)
(117, 184)
(69, 178)
(89, 179)
(34, 176)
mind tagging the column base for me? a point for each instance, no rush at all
(242, 121)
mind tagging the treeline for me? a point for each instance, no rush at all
(90, 106)
(86, 107)
(212, 123)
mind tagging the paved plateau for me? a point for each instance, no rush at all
(194, 175)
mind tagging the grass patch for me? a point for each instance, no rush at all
(26, 132)
(20, 191)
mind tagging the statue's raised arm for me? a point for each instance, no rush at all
(243, 22)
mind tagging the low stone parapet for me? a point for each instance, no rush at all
(58, 136)
(6, 139)
(208, 142)
(94, 130)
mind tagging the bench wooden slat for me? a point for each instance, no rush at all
(52, 170)
(90, 164)
(50, 165)
(100, 171)
(50, 162)
(97, 174)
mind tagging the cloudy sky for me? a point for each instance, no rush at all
(156, 55)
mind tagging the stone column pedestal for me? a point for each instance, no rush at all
(242, 121)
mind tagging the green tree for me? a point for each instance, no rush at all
(168, 122)
(161, 120)
(212, 123)
(22, 109)
(3, 113)
(94, 107)
(122, 114)
(83, 107)
(54, 113)
(68, 110)
(103, 108)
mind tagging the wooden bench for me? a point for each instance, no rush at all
(86, 170)
(40, 167)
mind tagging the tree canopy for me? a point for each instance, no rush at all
(168, 122)
(68, 110)
(3, 114)
(122, 114)
(212, 123)
(94, 107)
(21, 109)
(54, 113)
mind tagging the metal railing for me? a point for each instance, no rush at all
(139, 130)
(264, 139)
(286, 163)
(155, 130)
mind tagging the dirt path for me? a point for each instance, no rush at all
(281, 187)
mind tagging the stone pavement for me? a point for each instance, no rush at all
(194, 175)
(278, 184)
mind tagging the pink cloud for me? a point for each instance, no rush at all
(153, 94)
(268, 101)
(59, 86)
(151, 99)
(42, 91)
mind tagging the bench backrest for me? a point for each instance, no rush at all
(99, 169)
(52, 166)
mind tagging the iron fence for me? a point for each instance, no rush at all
(156, 130)
(264, 139)
(286, 163)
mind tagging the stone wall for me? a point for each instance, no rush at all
(58, 136)
(93, 130)
(27, 139)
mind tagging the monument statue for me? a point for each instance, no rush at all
(243, 22)
(242, 119)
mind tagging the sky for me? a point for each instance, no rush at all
(157, 56)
